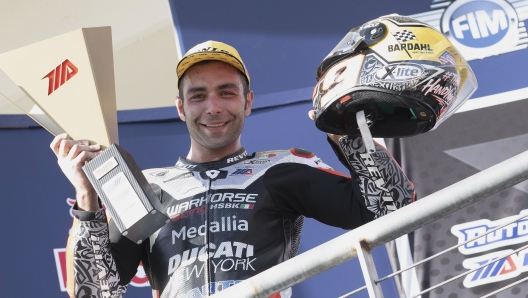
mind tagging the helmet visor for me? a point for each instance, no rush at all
(346, 46)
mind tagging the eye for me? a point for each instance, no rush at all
(227, 93)
(197, 97)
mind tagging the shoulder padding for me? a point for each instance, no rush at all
(299, 152)
(302, 152)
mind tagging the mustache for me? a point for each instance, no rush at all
(217, 118)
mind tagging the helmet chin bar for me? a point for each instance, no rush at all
(387, 115)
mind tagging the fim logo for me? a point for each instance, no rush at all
(480, 28)
(501, 265)
(62, 73)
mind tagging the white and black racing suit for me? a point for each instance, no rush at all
(230, 219)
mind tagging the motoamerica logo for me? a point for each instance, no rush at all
(503, 264)
(480, 28)
(60, 75)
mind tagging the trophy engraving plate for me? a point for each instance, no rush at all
(124, 200)
(106, 167)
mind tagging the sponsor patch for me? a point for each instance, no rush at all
(180, 164)
(237, 158)
(181, 176)
(256, 161)
(371, 63)
(225, 224)
(227, 200)
(503, 264)
(226, 256)
(158, 173)
(399, 72)
(231, 206)
(404, 39)
(213, 174)
(211, 288)
(242, 172)
(269, 154)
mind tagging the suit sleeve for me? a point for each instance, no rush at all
(320, 193)
(104, 261)
(378, 186)
(95, 269)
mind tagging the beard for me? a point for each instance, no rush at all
(216, 140)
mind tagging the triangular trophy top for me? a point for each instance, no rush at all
(70, 79)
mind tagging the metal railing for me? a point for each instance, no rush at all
(360, 241)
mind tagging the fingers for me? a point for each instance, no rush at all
(65, 147)
(77, 151)
(81, 152)
(55, 144)
(334, 138)
(311, 114)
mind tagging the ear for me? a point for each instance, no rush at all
(179, 107)
(249, 102)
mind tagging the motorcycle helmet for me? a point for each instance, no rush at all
(402, 74)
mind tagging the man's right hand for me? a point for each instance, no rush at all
(71, 157)
(333, 137)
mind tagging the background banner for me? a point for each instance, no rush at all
(465, 144)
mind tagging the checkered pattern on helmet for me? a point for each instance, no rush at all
(405, 35)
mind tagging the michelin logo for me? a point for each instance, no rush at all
(480, 28)
(500, 265)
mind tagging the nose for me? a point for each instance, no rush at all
(214, 104)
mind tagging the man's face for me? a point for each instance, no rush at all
(214, 106)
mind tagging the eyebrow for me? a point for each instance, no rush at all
(221, 87)
(227, 86)
(196, 89)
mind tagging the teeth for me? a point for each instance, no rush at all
(214, 125)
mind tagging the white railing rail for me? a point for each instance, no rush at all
(381, 231)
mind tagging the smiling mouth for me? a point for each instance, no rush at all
(215, 125)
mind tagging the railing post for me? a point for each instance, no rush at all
(364, 254)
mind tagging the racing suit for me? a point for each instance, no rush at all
(230, 219)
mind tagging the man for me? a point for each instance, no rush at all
(233, 215)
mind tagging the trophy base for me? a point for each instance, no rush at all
(126, 193)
